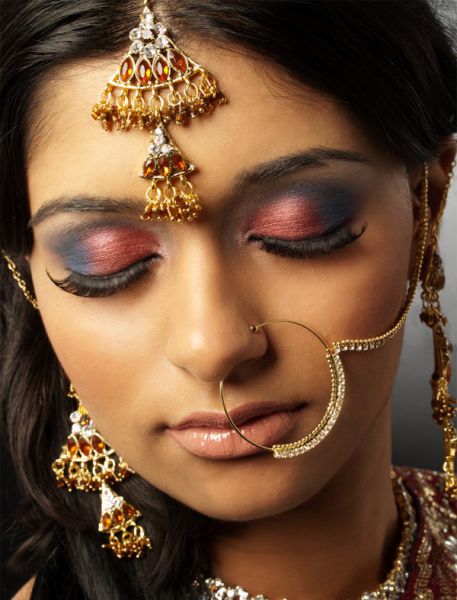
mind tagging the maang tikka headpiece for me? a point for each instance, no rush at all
(154, 84)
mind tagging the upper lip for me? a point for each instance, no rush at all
(240, 414)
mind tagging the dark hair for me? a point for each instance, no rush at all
(390, 62)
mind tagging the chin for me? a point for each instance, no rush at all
(248, 499)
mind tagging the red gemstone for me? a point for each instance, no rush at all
(118, 517)
(161, 70)
(72, 445)
(127, 69)
(84, 446)
(179, 62)
(164, 166)
(106, 521)
(144, 72)
(97, 443)
(129, 511)
(149, 168)
(179, 162)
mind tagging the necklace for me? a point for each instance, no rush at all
(391, 589)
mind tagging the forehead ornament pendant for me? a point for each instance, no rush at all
(156, 83)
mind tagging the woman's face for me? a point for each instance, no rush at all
(325, 242)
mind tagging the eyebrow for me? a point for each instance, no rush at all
(261, 173)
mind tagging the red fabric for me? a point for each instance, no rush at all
(433, 560)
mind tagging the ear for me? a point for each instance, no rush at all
(439, 170)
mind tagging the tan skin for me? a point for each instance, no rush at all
(147, 356)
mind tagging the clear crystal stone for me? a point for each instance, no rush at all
(159, 28)
(75, 428)
(159, 137)
(136, 47)
(166, 148)
(110, 500)
(146, 33)
(135, 34)
(150, 51)
(162, 41)
(154, 150)
(75, 416)
(148, 17)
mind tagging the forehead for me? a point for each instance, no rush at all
(267, 115)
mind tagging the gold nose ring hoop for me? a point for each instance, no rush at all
(323, 428)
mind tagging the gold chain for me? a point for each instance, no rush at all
(380, 340)
(443, 404)
(19, 280)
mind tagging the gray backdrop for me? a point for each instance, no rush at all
(417, 440)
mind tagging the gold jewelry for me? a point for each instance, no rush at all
(89, 464)
(443, 404)
(333, 351)
(155, 83)
(391, 589)
(19, 280)
(331, 414)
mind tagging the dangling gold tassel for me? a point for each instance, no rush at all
(172, 201)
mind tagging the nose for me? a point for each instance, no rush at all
(209, 332)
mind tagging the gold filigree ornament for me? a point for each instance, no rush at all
(156, 83)
(89, 464)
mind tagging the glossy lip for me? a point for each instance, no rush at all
(209, 434)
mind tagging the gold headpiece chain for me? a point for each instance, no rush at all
(19, 280)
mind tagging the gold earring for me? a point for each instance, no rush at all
(155, 83)
(89, 464)
(443, 404)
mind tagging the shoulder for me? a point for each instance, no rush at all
(434, 551)
(428, 487)
(25, 593)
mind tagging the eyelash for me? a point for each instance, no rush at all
(309, 248)
(101, 286)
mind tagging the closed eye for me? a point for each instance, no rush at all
(308, 248)
(98, 286)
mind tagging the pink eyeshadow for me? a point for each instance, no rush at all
(111, 250)
(289, 219)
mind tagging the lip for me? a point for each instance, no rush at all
(209, 434)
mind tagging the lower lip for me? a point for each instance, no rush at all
(226, 444)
